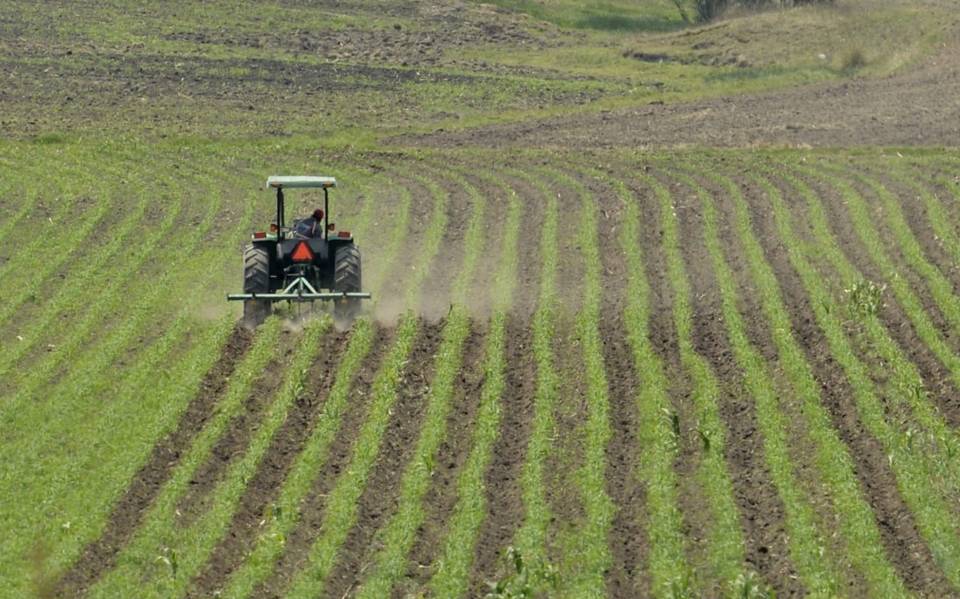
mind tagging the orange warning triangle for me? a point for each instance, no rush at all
(302, 253)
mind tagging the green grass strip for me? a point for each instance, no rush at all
(155, 385)
(531, 537)
(930, 511)
(191, 546)
(725, 545)
(143, 551)
(807, 547)
(452, 569)
(90, 258)
(908, 388)
(399, 534)
(86, 366)
(856, 520)
(91, 324)
(86, 283)
(588, 558)
(63, 219)
(23, 169)
(45, 254)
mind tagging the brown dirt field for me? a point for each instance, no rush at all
(442, 496)
(379, 499)
(919, 107)
(762, 511)
(100, 556)
(904, 546)
(504, 498)
(301, 538)
(273, 469)
(236, 438)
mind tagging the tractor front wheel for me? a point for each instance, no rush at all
(346, 277)
(256, 279)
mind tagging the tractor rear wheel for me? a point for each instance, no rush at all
(256, 279)
(347, 277)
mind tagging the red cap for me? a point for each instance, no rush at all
(318, 214)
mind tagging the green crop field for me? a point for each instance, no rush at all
(659, 308)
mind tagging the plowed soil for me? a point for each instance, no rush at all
(920, 107)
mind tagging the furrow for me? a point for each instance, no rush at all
(873, 521)
(127, 513)
(908, 463)
(906, 390)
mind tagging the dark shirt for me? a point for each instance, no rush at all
(307, 227)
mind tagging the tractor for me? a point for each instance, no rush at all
(300, 263)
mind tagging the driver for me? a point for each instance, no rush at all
(312, 226)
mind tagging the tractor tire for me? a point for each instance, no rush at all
(347, 277)
(256, 279)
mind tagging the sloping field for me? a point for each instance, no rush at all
(681, 373)
(589, 369)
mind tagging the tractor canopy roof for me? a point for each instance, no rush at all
(275, 182)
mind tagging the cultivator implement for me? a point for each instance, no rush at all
(300, 290)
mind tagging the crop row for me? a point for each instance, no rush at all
(134, 357)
